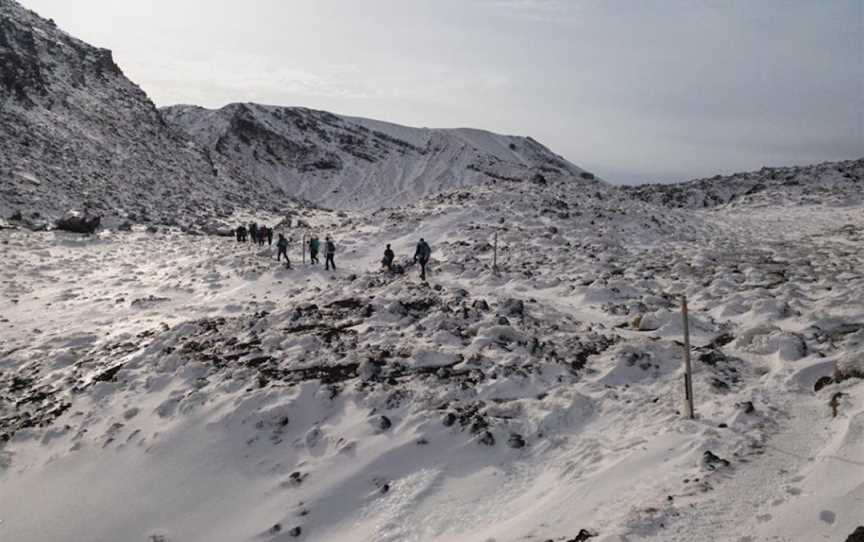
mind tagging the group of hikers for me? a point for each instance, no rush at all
(314, 248)
(421, 256)
(261, 234)
(255, 233)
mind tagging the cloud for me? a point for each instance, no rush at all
(236, 77)
(548, 11)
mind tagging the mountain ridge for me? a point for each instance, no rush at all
(319, 155)
(79, 135)
(829, 183)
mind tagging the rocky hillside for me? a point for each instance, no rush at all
(835, 183)
(354, 163)
(77, 134)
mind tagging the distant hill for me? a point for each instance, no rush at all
(830, 183)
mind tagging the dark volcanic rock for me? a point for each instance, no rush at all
(487, 438)
(382, 422)
(712, 461)
(78, 223)
(516, 441)
(582, 536)
(822, 382)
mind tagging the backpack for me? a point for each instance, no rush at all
(424, 250)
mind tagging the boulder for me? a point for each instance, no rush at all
(712, 461)
(382, 423)
(582, 536)
(480, 305)
(218, 230)
(513, 307)
(487, 439)
(822, 382)
(76, 222)
(516, 441)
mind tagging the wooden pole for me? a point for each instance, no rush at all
(688, 369)
(495, 254)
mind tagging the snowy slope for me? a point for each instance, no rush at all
(77, 134)
(830, 183)
(221, 397)
(353, 163)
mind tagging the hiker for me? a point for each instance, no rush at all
(314, 246)
(262, 235)
(269, 236)
(253, 232)
(282, 246)
(421, 256)
(241, 233)
(388, 258)
(329, 252)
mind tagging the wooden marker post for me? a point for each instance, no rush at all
(688, 369)
(495, 254)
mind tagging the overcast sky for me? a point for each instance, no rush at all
(632, 90)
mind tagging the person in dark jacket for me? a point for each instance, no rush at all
(329, 253)
(314, 247)
(253, 232)
(270, 236)
(282, 246)
(241, 234)
(421, 256)
(388, 258)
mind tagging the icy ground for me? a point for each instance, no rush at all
(165, 387)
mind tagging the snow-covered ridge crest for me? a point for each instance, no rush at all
(355, 163)
(828, 183)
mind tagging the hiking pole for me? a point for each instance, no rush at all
(303, 248)
(688, 369)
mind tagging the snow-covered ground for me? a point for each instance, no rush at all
(166, 387)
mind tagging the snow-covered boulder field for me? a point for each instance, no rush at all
(158, 386)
